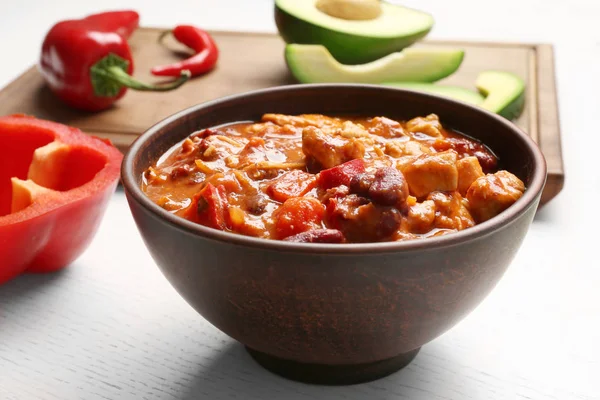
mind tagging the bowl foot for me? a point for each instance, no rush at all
(332, 374)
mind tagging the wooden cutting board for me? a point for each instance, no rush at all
(251, 61)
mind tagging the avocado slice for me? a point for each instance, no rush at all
(314, 64)
(453, 92)
(504, 91)
(351, 41)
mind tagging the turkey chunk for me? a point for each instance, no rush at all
(268, 128)
(386, 127)
(329, 151)
(398, 149)
(493, 193)
(404, 162)
(429, 125)
(451, 211)
(432, 172)
(302, 121)
(421, 217)
(394, 148)
(350, 130)
(469, 170)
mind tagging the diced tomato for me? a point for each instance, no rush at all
(297, 215)
(341, 174)
(209, 205)
(295, 183)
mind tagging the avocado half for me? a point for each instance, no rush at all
(351, 42)
(315, 64)
(500, 92)
(504, 91)
(452, 92)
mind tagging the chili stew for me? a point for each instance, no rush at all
(324, 179)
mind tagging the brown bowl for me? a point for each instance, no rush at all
(334, 313)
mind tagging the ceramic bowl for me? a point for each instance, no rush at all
(334, 313)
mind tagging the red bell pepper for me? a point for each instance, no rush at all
(123, 22)
(55, 183)
(88, 63)
(204, 46)
(340, 174)
(210, 206)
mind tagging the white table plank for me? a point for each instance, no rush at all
(110, 326)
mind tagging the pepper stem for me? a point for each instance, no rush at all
(109, 76)
(118, 75)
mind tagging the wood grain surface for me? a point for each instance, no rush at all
(250, 61)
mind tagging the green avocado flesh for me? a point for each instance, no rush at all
(351, 42)
(504, 91)
(453, 92)
(314, 64)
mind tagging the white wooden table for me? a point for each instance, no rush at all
(111, 327)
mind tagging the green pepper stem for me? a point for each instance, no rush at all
(117, 74)
(109, 76)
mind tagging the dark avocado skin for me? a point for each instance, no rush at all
(515, 108)
(346, 48)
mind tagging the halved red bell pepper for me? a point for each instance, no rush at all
(55, 184)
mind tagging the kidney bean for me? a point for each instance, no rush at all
(465, 147)
(256, 204)
(386, 186)
(181, 171)
(318, 236)
(389, 187)
(360, 184)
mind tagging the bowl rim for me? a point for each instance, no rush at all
(533, 192)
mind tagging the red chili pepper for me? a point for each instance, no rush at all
(205, 59)
(55, 184)
(88, 63)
